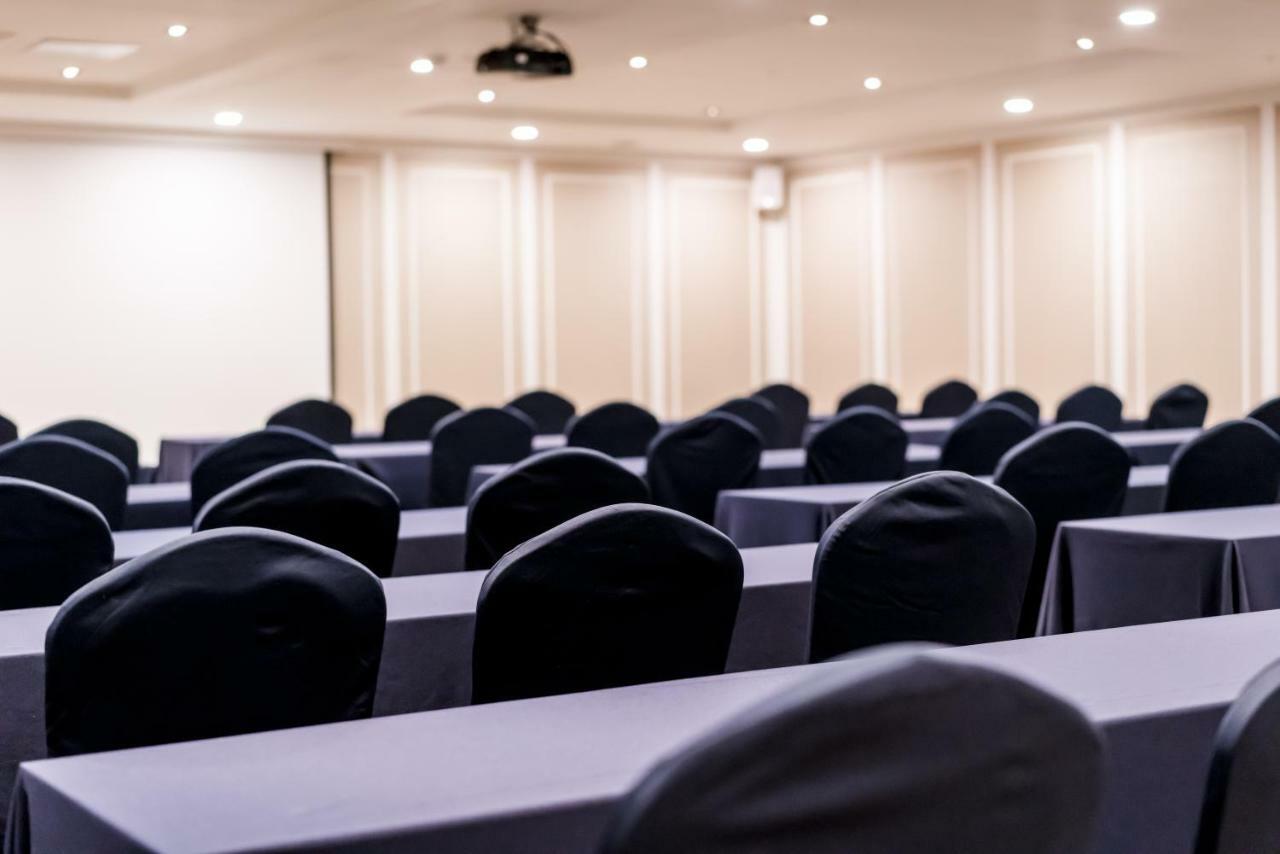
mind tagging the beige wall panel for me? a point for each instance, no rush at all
(831, 342)
(357, 294)
(713, 304)
(593, 278)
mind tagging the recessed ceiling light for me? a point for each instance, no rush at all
(486, 96)
(713, 112)
(1019, 105)
(524, 133)
(422, 65)
(638, 62)
(177, 31)
(1137, 17)
(1085, 43)
(71, 72)
(755, 145)
(873, 83)
(819, 20)
(228, 119)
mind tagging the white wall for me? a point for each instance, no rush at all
(166, 288)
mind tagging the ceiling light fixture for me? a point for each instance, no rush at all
(1137, 17)
(713, 112)
(755, 145)
(819, 20)
(638, 62)
(422, 65)
(486, 96)
(872, 83)
(1018, 106)
(524, 133)
(228, 119)
(1085, 43)
(71, 72)
(177, 31)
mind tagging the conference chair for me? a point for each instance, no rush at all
(870, 394)
(1238, 815)
(539, 493)
(549, 411)
(323, 419)
(8, 431)
(975, 444)
(860, 445)
(1063, 473)
(792, 406)
(236, 459)
(466, 439)
(951, 399)
(888, 751)
(691, 464)
(760, 414)
(1268, 414)
(618, 596)
(74, 467)
(328, 503)
(221, 633)
(616, 429)
(938, 557)
(1094, 405)
(413, 420)
(102, 436)
(1235, 464)
(1182, 406)
(51, 544)
(1021, 401)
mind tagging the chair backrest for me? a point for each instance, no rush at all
(618, 596)
(535, 495)
(887, 751)
(325, 502)
(938, 557)
(977, 442)
(760, 414)
(1235, 464)
(1064, 473)
(104, 437)
(413, 420)
(8, 431)
(860, 445)
(73, 466)
(1239, 813)
(792, 406)
(244, 456)
(226, 632)
(691, 464)
(325, 420)
(870, 394)
(951, 399)
(467, 439)
(1019, 400)
(1268, 414)
(1094, 405)
(549, 411)
(51, 544)
(618, 429)
(1183, 405)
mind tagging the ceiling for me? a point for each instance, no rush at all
(338, 69)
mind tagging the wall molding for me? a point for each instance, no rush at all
(365, 176)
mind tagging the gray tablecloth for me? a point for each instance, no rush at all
(800, 514)
(158, 505)
(1173, 566)
(543, 775)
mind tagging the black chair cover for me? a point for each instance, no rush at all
(413, 420)
(1064, 473)
(236, 459)
(74, 467)
(1019, 400)
(889, 752)
(466, 439)
(691, 464)
(619, 596)
(325, 502)
(1181, 406)
(870, 394)
(327, 421)
(1239, 813)
(1268, 414)
(1236, 464)
(546, 490)
(51, 544)
(102, 436)
(759, 413)
(617, 429)
(549, 411)
(860, 445)
(221, 633)
(792, 406)
(1094, 405)
(978, 441)
(8, 431)
(951, 399)
(937, 557)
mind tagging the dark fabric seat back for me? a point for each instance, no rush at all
(226, 632)
(860, 445)
(691, 464)
(951, 399)
(8, 431)
(328, 503)
(1021, 401)
(323, 419)
(617, 429)
(1094, 405)
(413, 420)
(1178, 407)
(464, 440)
(51, 544)
(1268, 414)
(549, 411)
(74, 467)
(1235, 464)
(104, 437)
(619, 596)
(244, 456)
(939, 557)
(977, 442)
(870, 394)
(760, 414)
(792, 406)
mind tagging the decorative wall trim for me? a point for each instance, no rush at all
(391, 292)
(1118, 255)
(879, 286)
(989, 229)
(656, 250)
(531, 375)
(1269, 300)
(368, 404)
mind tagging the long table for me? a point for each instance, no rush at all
(544, 775)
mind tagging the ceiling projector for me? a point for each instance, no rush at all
(532, 52)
